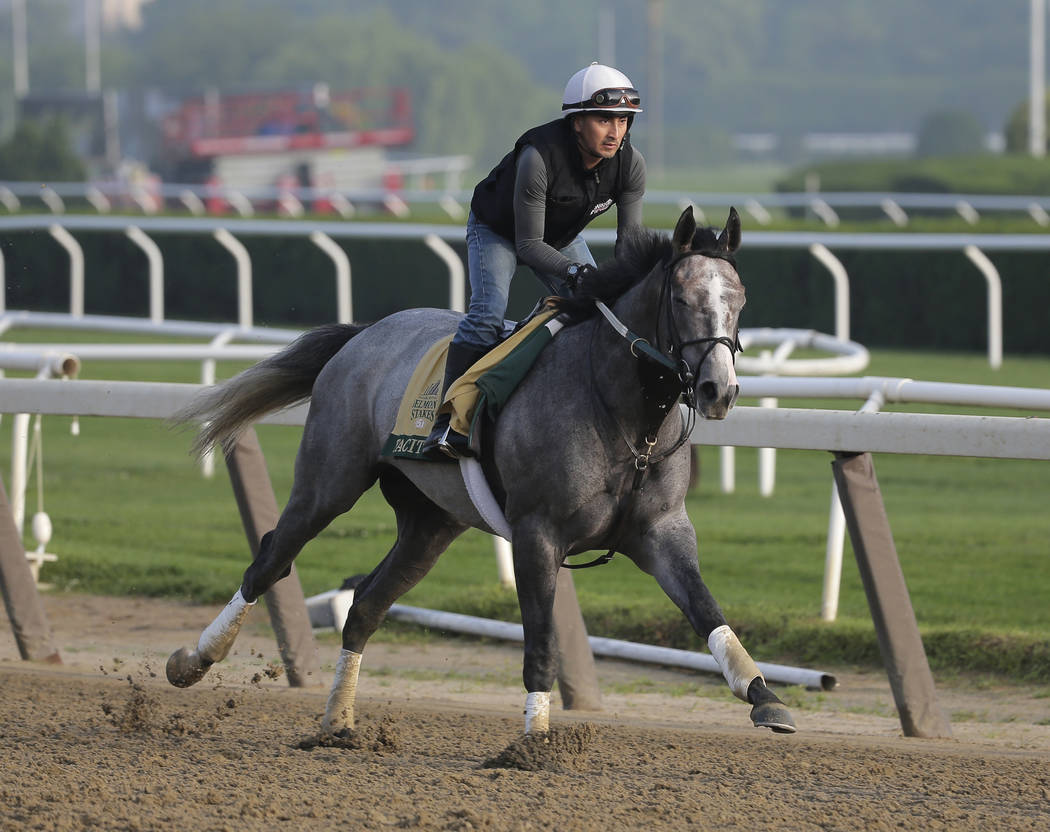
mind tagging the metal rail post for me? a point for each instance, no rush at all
(285, 600)
(995, 304)
(76, 269)
(343, 295)
(891, 609)
(244, 275)
(456, 276)
(21, 598)
(838, 274)
(156, 271)
(577, 675)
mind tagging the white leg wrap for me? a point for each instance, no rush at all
(737, 666)
(538, 712)
(339, 713)
(217, 639)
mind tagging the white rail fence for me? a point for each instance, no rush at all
(848, 357)
(201, 199)
(920, 435)
(56, 359)
(1000, 437)
(437, 237)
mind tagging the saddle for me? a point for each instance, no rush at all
(475, 397)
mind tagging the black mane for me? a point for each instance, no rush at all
(641, 249)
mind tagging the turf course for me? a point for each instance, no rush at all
(133, 515)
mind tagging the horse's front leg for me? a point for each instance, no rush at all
(536, 564)
(667, 550)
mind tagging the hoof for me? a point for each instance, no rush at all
(338, 725)
(775, 716)
(185, 667)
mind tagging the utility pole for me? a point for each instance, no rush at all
(607, 36)
(1037, 80)
(654, 116)
(19, 48)
(92, 46)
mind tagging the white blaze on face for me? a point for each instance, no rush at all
(719, 291)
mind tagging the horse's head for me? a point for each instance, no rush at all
(679, 300)
(702, 303)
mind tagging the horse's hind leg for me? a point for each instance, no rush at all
(313, 504)
(424, 531)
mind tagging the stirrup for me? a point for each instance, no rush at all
(445, 446)
(457, 446)
(454, 444)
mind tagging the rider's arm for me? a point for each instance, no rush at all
(530, 209)
(629, 205)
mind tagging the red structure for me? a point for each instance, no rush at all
(278, 122)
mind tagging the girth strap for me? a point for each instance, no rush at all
(601, 560)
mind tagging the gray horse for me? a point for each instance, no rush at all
(590, 452)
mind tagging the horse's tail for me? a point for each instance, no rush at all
(282, 380)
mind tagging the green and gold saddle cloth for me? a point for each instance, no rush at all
(482, 391)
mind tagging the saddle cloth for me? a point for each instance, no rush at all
(482, 390)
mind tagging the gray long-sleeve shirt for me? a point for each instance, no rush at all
(530, 200)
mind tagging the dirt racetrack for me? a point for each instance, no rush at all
(103, 742)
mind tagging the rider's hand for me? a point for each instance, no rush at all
(577, 273)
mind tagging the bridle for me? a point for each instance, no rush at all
(686, 374)
(658, 362)
(672, 357)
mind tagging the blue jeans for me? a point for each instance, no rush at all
(491, 261)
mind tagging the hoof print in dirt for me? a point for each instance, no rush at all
(554, 751)
(376, 738)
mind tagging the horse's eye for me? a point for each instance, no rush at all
(682, 301)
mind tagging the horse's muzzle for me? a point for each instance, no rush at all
(714, 401)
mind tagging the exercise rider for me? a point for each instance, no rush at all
(532, 207)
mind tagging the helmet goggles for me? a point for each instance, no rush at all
(609, 98)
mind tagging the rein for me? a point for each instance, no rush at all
(640, 347)
(660, 403)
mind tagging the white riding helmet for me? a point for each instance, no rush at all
(600, 88)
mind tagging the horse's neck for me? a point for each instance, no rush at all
(615, 369)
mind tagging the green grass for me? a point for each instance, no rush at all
(133, 515)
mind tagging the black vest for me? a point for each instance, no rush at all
(575, 196)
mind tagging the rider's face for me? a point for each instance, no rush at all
(599, 135)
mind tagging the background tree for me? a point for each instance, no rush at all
(40, 151)
(481, 72)
(1016, 129)
(950, 133)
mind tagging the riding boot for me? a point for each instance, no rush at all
(443, 441)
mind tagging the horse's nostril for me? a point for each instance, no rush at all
(709, 391)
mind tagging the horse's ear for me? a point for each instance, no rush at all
(684, 230)
(729, 239)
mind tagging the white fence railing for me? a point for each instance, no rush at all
(437, 237)
(946, 435)
(217, 198)
(996, 437)
(999, 437)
